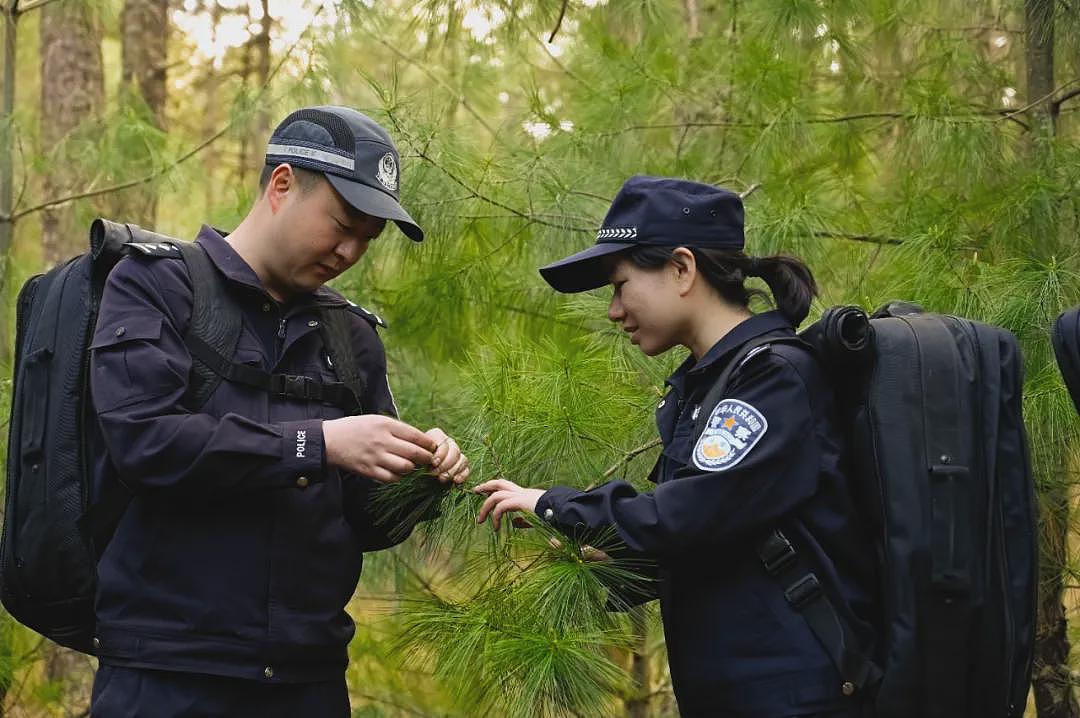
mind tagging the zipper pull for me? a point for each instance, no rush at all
(281, 329)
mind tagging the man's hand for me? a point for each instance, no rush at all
(378, 447)
(449, 464)
(505, 496)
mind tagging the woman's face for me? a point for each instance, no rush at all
(646, 304)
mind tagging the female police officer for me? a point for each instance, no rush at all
(769, 457)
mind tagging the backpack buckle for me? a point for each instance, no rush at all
(803, 591)
(776, 553)
(293, 385)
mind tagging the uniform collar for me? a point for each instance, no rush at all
(235, 269)
(755, 326)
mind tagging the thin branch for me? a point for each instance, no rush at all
(422, 154)
(872, 239)
(438, 80)
(1075, 92)
(32, 5)
(1042, 99)
(558, 23)
(1004, 115)
(630, 456)
(183, 158)
(750, 190)
(387, 702)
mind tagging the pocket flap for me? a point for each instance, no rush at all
(126, 329)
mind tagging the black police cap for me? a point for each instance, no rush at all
(653, 211)
(354, 153)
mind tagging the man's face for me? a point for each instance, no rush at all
(317, 237)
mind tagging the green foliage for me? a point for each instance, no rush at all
(881, 143)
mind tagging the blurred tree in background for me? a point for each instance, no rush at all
(922, 149)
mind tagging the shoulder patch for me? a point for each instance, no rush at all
(733, 429)
(372, 317)
(153, 249)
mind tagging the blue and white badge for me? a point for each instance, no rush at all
(733, 429)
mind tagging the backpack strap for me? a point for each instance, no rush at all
(335, 327)
(215, 325)
(948, 608)
(789, 569)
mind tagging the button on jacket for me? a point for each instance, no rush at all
(241, 547)
(735, 646)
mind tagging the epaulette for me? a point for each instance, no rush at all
(373, 318)
(753, 353)
(153, 249)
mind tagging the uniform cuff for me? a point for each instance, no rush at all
(302, 457)
(550, 504)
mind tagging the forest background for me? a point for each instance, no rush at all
(917, 149)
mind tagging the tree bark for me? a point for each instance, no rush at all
(253, 164)
(145, 29)
(7, 180)
(639, 706)
(72, 92)
(1054, 695)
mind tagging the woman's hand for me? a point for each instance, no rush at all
(448, 463)
(503, 496)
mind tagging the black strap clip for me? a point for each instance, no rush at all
(803, 591)
(295, 386)
(776, 553)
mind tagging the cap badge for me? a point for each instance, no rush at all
(617, 233)
(388, 172)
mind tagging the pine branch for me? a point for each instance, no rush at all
(1041, 100)
(15, 216)
(15, 10)
(872, 239)
(475, 193)
(456, 94)
(630, 456)
(1065, 98)
(558, 23)
(890, 115)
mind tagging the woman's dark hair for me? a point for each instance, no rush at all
(792, 285)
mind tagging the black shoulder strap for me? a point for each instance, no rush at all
(719, 388)
(337, 339)
(789, 569)
(215, 323)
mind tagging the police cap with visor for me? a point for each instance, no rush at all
(656, 212)
(355, 155)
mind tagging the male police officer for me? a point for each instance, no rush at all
(222, 592)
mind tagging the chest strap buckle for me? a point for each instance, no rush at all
(776, 553)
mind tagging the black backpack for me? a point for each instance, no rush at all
(1065, 338)
(54, 529)
(939, 464)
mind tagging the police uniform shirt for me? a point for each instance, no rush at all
(241, 548)
(770, 454)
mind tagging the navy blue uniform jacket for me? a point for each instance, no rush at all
(241, 548)
(735, 646)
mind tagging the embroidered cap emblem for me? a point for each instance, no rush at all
(733, 429)
(388, 172)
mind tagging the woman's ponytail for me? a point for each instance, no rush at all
(792, 285)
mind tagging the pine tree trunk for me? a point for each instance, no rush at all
(253, 164)
(145, 32)
(72, 91)
(639, 706)
(7, 183)
(1054, 696)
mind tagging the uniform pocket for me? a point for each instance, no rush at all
(121, 377)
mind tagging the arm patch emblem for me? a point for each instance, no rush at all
(733, 429)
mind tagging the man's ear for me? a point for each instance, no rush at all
(282, 181)
(685, 267)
